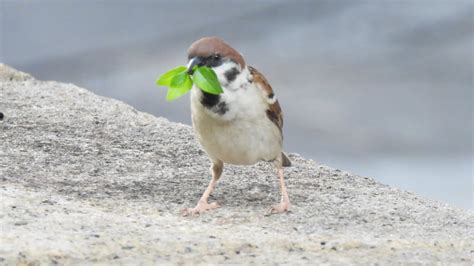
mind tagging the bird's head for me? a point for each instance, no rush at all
(213, 52)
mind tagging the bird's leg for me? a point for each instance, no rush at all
(203, 205)
(284, 204)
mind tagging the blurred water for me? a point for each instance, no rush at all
(379, 88)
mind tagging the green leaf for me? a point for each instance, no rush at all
(181, 80)
(179, 86)
(165, 79)
(206, 79)
(174, 93)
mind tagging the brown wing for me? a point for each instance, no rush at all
(274, 111)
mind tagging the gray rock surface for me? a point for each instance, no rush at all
(86, 179)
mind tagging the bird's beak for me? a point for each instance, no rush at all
(195, 61)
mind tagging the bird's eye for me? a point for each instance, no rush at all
(216, 57)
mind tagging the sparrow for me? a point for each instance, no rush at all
(241, 126)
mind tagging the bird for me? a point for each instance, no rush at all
(241, 126)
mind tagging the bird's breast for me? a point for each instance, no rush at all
(233, 127)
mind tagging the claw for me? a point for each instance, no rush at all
(200, 208)
(278, 208)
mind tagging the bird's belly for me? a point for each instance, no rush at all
(239, 141)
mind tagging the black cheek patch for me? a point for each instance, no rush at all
(231, 74)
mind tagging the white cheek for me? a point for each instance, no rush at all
(243, 98)
(222, 69)
(242, 80)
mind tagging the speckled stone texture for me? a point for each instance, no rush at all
(89, 180)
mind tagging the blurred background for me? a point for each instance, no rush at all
(378, 88)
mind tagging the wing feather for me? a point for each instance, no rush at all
(274, 112)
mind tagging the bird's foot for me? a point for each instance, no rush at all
(201, 207)
(279, 208)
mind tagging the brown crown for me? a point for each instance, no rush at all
(209, 46)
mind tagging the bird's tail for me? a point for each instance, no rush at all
(285, 160)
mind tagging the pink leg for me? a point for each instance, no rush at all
(284, 204)
(202, 205)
